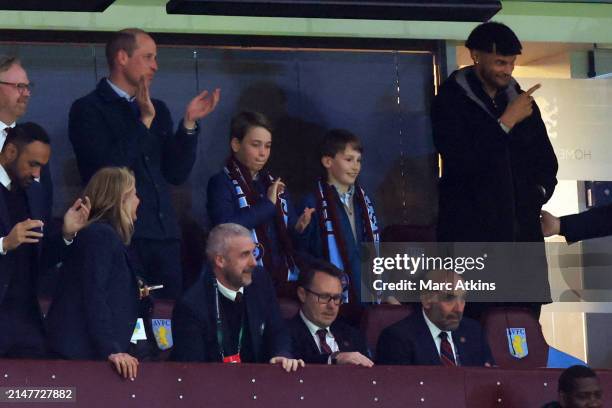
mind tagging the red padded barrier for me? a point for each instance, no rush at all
(496, 320)
(252, 385)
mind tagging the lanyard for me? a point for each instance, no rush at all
(220, 326)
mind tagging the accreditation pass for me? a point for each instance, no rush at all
(37, 394)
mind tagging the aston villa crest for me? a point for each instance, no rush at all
(517, 342)
(162, 330)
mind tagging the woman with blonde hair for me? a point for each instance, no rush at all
(94, 313)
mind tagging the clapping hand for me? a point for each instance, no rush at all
(200, 107)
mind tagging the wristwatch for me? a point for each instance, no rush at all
(191, 131)
(334, 357)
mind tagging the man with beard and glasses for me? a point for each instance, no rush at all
(438, 334)
(231, 314)
(498, 165)
(28, 244)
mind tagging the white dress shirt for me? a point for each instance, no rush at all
(227, 292)
(6, 182)
(329, 337)
(435, 333)
(3, 127)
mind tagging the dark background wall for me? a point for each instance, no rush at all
(382, 96)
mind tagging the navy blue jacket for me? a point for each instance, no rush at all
(94, 312)
(310, 241)
(222, 206)
(105, 131)
(49, 252)
(594, 223)
(409, 342)
(305, 347)
(194, 329)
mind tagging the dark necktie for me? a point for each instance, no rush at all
(325, 349)
(238, 298)
(446, 351)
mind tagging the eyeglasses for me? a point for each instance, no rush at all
(21, 87)
(325, 299)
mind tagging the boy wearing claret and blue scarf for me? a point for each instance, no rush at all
(343, 215)
(245, 193)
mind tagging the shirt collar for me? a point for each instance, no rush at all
(120, 91)
(227, 292)
(4, 178)
(312, 328)
(3, 127)
(345, 197)
(435, 330)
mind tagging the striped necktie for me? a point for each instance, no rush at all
(447, 358)
(325, 349)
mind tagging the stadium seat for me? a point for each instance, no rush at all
(377, 317)
(288, 307)
(495, 322)
(409, 233)
(162, 309)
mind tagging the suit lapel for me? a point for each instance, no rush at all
(35, 202)
(207, 309)
(344, 343)
(256, 323)
(459, 341)
(426, 340)
(311, 345)
(4, 215)
(35, 205)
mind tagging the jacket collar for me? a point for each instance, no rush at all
(460, 78)
(106, 92)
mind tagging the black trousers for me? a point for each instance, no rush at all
(21, 333)
(160, 263)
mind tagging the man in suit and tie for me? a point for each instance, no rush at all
(15, 92)
(317, 336)
(24, 248)
(438, 334)
(231, 314)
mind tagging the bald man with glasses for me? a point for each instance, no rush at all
(316, 334)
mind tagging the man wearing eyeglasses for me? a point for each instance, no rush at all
(317, 336)
(438, 334)
(14, 94)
